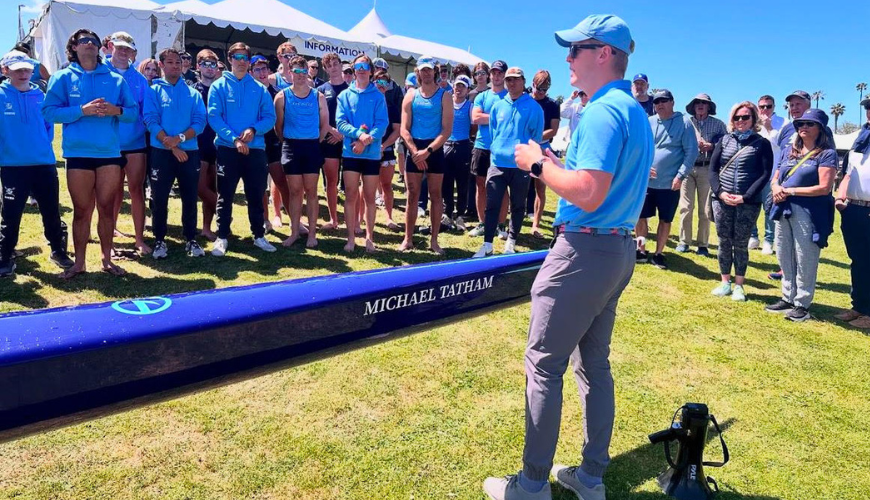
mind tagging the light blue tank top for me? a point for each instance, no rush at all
(281, 83)
(301, 115)
(461, 122)
(426, 115)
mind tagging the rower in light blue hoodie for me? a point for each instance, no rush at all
(22, 125)
(174, 109)
(235, 105)
(514, 122)
(362, 111)
(88, 136)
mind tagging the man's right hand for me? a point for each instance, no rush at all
(95, 107)
(241, 147)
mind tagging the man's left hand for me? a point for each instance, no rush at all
(527, 154)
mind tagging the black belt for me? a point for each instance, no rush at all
(858, 203)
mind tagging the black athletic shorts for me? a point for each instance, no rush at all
(301, 156)
(93, 163)
(480, 161)
(663, 201)
(274, 152)
(362, 166)
(332, 151)
(434, 164)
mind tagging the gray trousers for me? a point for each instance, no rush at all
(499, 180)
(574, 300)
(798, 257)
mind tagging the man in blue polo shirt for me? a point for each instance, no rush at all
(574, 297)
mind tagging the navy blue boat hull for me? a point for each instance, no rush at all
(63, 366)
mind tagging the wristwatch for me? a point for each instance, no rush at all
(182, 137)
(429, 149)
(537, 168)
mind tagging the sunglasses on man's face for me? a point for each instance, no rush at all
(287, 56)
(299, 71)
(208, 64)
(742, 118)
(186, 58)
(660, 101)
(765, 106)
(239, 57)
(362, 66)
(88, 40)
(799, 125)
(382, 83)
(575, 49)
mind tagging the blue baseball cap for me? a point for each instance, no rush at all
(411, 80)
(605, 28)
(426, 62)
(813, 115)
(640, 76)
(259, 59)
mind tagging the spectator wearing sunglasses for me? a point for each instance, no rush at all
(798, 102)
(676, 148)
(853, 202)
(804, 208)
(241, 112)
(347, 73)
(770, 124)
(207, 64)
(283, 78)
(90, 101)
(187, 71)
(739, 168)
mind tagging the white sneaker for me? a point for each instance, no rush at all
(477, 231)
(510, 246)
(264, 245)
(502, 233)
(485, 251)
(193, 249)
(421, 212)
(767, 248)
(219, 248)
(160, 250)
(754, 243)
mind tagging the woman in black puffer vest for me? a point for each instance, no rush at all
(739, 168)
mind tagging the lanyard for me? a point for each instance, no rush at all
(797, 165)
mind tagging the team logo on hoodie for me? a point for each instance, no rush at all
(9, 110)
(167, 101)
(9, 193)
(230, 94)
(74, 90)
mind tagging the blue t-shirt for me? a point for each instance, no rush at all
(614, 137)
(461, 122)
(484, 102)
(301, 115)
(807, 175)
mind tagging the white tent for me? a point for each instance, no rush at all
(150, 27)
(843, 142)
(266, 24)
(403, 48)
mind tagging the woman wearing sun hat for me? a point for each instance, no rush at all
(804, 207)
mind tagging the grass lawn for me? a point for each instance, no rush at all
(431, 415)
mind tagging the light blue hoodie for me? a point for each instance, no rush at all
(133, 134)
(676, 148)
(88, 136)
(357, 107)
(511, 123)
(236, 105)
(25, 136)
(174, 109)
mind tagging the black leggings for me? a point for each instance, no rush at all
(18, 183)
(734, 227)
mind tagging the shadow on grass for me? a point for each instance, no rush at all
(634, 468)
(834, 263)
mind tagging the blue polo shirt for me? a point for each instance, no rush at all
(614, 136)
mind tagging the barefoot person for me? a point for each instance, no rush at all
(575, 295)
(240, 111)
(207, 62)
(332, 143)
(175, 115)
(362, 119)
(302, 121)
(133, 146)
(90, 101)
(427, 121)
(26, 170)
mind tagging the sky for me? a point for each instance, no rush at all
(734, 51)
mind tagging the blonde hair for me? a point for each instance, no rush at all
(752, 111)
(144, 64)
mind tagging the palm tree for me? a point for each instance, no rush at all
(818, 96)
(861, 87)
(837, 110)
